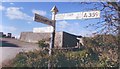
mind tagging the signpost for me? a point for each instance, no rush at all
(78, 15)
(48, 29)
(65, 16)
(39, 18)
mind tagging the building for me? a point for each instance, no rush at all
(1, 34)
(62, 39)
(9, 35)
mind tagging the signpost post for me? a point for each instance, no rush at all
(54, 11)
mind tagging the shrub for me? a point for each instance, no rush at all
(42, 44)
(60, 58)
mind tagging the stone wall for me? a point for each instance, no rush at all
(62, 39)
(34, 37)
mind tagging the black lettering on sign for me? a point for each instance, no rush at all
(85, 15)
(90, 14)
(96, 14)
(71, 14)
(93, 15)
(39, 18)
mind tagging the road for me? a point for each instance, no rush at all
(11, 47)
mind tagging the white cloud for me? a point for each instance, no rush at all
(0, 27)
(63, 24)
(39, 12)
(29, 22)
(85, 33)
(73, 28)
(2, 8)
(76, 29)
(11, 3)
(16, 13)
(7, 28)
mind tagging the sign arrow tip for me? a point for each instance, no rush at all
(54, 9)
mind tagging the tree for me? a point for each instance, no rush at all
(110, 17)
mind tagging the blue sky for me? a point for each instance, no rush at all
(17, 17)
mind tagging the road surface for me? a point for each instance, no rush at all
(9, 48)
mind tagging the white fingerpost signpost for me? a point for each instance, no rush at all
(64, 16)
(39, 18)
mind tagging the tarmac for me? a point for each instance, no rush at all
(11, 47)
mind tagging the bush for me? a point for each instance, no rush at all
(42, 44)
(101, 40)
(60, 58)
